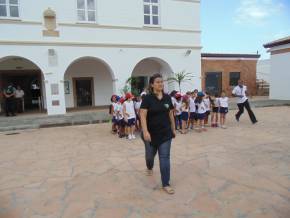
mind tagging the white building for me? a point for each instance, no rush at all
(264, 70)
(80, 52)
(280, 68)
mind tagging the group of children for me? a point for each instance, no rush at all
(125, 115)
(192, 111)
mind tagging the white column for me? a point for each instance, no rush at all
(54, 92)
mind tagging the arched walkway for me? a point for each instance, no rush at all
(89, 82)
(146, 68)
(26, 74)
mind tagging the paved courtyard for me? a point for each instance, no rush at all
(85, 172)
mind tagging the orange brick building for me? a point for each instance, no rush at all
(222, 72)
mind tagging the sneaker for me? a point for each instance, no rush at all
(133, 137)
(129, 137)
(223, 127)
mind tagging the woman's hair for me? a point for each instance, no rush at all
(152, 80)
(185, 101)
(173, 93)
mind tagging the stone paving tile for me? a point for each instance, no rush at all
(85, 172)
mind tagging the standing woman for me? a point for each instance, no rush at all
(158, 127)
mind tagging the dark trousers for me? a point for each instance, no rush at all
(9, 106)
(250, 112)
(19, 105)
(164, 159)
(178, 122)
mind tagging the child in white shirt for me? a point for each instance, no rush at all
(224, 105)
(215, 110)
(129, 115)
(201, 111)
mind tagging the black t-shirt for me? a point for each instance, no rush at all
(158, 119)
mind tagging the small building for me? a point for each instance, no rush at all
(222, 72)
(280, 68)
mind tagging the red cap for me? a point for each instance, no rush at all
(185, 97)
(122, 100)
(177, 95)
(128, 95)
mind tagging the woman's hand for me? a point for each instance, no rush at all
(173, 133)
(147, 136)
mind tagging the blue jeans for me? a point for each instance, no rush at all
(164, 159)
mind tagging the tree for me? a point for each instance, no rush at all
(129, 86)
(180, 78)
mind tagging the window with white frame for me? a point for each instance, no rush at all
(151, 12)
(86, 10)
(9, 8)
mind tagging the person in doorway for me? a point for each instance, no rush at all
(158, 129)
(9, 95)
(240, 91)
(19, 97)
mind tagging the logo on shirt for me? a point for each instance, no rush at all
(166, 105)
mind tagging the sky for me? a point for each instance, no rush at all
(243, 26)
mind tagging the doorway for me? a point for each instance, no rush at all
(213, 82)
(84, 92)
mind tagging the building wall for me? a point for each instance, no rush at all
(119, 38)
(264, 69)
(121, 61)
(280, 76)
(247, 69)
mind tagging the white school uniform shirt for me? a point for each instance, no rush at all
(192, 106)
(138, 105)
(119, 111)
(201, 109)
(114, 107)
(240, 91)
(216, 102)
(129, 106)
(207, 104)
(19, 93)
(178, 106)
(173, 100)
(224, 102)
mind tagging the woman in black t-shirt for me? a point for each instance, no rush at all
(158, 126)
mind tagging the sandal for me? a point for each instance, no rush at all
(149, 172)
(169, 190)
